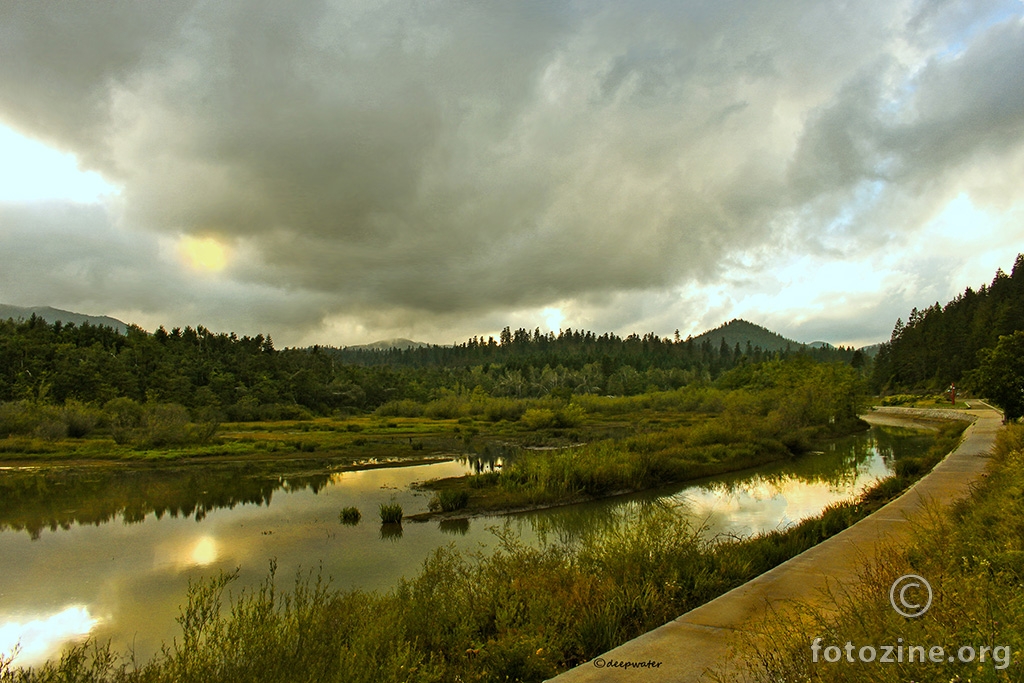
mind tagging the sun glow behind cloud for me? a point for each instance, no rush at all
(204, 253)
(554, 317)
(611, 172)
(30, 172)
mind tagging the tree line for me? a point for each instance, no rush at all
(975, 341)
(247, 378)
(941, 344)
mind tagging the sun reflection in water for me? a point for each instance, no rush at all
(39, 639)
(204, 552)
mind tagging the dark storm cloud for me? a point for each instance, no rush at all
(385, 158)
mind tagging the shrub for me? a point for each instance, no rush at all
(165, 423)
(538, 418)
(447, 408)
(403, 408)
(123, 416)
(79, 418)
(283, 411)
(390, 513)
(498, 409)
(570, 416)
(51, 429)
(18, 417)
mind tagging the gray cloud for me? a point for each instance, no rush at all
(386, 161)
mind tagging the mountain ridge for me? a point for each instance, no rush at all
(52, 315)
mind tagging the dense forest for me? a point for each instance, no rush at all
(945, 344)
(226, 377)
(709, 354)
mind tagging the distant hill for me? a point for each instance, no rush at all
(740, 332)
(385, 344)
(52, 315)
(872, 350)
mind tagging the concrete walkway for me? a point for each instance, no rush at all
(690, 647)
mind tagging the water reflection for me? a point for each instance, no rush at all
(34, 640)
(454, 527)
(488, 456)
(182, 524)
(204, 552)
(34, 499)
(774, 496)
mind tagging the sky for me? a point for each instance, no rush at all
(338, 172)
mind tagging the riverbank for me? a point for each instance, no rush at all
(702, 643)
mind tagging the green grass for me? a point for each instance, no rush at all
(925, 401)
(973, 556)
(656, 453)
(449, 500)
(390, 513)
(350, 515)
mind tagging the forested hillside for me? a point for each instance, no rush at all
(242, 378)
(941, 344)
(707, 355)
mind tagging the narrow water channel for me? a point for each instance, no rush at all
(109, 552)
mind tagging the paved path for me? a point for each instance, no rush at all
(690, 647)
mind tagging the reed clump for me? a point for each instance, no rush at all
(350, 515)
(390, 513)
(450, 500)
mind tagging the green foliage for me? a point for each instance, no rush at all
(446, 408)
(538, 418)
(450, 500)
(772, 411)
(941, 344)
(403, 408)
(247, 379)
(164, 424)
(124, 417)
(350, 515)
(1000, 376)
(498, 409)
(18, 417)
(79, 418)
(390, 513)
(46, 421)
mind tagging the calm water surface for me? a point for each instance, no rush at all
(109, 553)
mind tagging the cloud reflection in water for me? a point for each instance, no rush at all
(41, 638)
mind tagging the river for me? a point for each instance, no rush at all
(109, 552)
